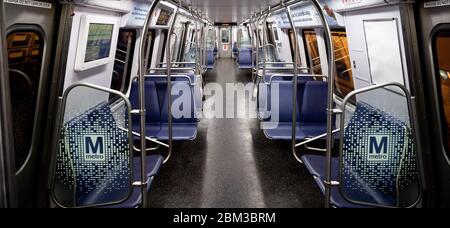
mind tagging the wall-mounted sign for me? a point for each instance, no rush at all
(138, 14)
(440, 3)
(30, 3)
(306, 15)
(345, 5)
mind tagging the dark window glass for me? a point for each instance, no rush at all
(313, 51)
(25, 50)
(124, 57)
(442, 47)
(344, 78)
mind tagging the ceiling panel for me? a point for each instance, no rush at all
(229, 11)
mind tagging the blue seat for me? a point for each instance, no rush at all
(391, 180)
(153, 164)
(103, 179)
(315, 164)
(311, 100)
(235, 51)
(245, 58)
(184, 127)
(210, 58)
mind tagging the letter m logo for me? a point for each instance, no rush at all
(94, 148)
(378, 148)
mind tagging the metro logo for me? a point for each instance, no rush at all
(378, 148)
(94, 148)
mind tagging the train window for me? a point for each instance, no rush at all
(176, 39)
(124, 57)
(225, 36)
(442, 47)
(25, 52)
(149, 45)
(344, 77)
(244, 38)
(312, 47)
(292, 41)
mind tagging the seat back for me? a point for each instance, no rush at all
(153, 109)
(283, 81)
(284, 99)
(378, 163)
(245, 57)
(314, 102)
(94, 160)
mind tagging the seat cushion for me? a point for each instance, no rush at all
(181, 132)
(284, 132)
(151, 130)
(153, 166)
(315, 164)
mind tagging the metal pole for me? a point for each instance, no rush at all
(294, 80)
(142, 111)
(169, 82)
(330, 108)
(197, 62)
(252, 39)
(265, 34)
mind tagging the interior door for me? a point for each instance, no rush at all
(225, 42)
(7, 170)
(434, 21)
(30, 32)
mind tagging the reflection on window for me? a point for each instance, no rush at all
(443, 62)
(293, 47)
(313, 51)
(124, 56)
(244, 38)
(211, 42)
(225, 36)
(344, 78)
(25, 60)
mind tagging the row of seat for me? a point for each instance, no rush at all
(211, 56)
(311, 107)
(185, 124)
(244, 58)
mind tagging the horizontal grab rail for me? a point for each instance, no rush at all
(298, 76)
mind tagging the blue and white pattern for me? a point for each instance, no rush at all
(94, 161)
(379, 161)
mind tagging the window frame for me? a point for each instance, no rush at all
(310, 61)
(126, 79)
(440, 113)
(342, 96)
(39, 108)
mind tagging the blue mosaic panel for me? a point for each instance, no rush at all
(379, 162)
(94, 163)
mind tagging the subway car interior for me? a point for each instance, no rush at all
(224, 104)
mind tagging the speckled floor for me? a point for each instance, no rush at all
(231, 164)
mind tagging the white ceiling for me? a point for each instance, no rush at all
(229, 11)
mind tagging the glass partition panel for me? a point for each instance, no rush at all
(93, 161)
(378, 165)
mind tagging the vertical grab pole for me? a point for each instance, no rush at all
(252, 40)
(257, 47)
(265, 43)
(142, 111)
(197, 61)
(169, 81)
(330, 108)
(295, 79)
